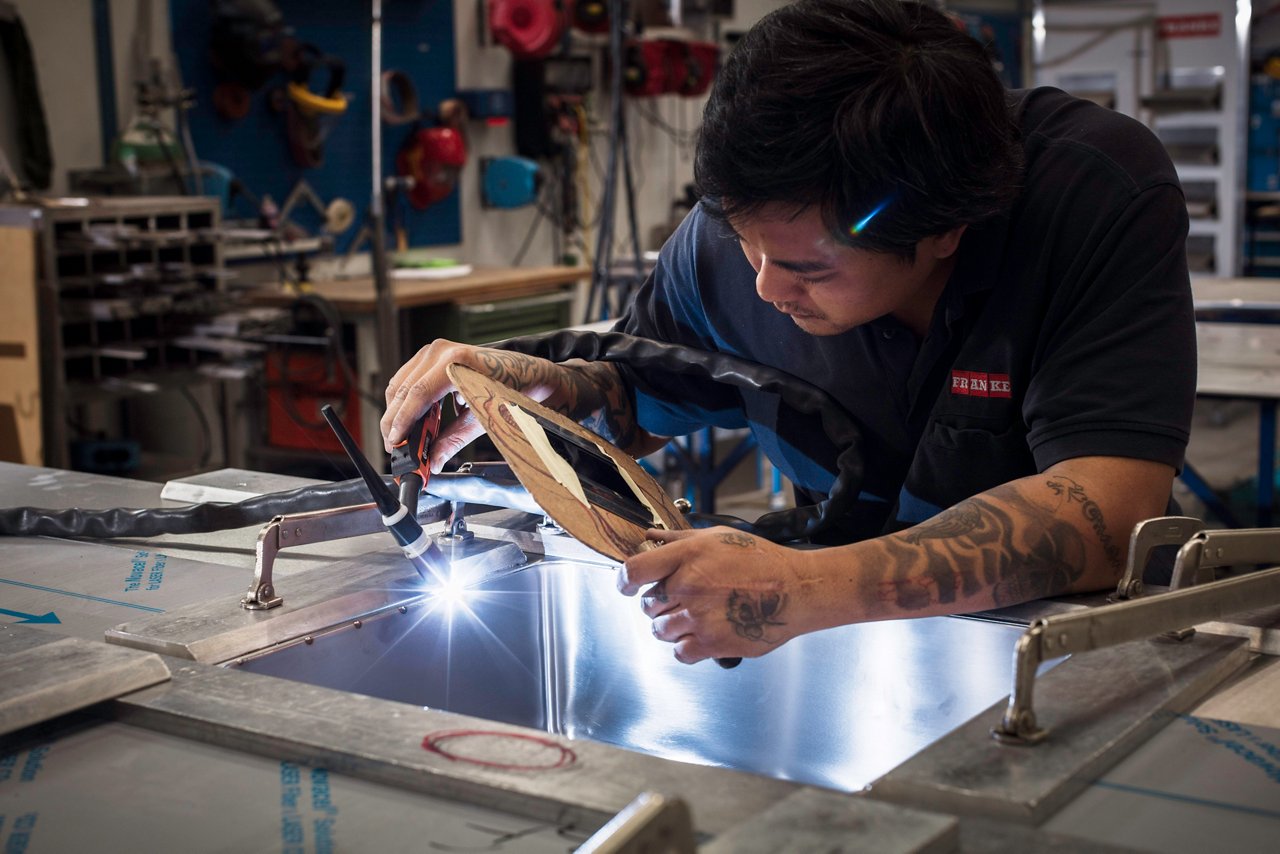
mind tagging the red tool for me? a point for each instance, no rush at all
(410, 459)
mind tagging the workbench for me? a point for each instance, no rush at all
(530, 713)
(482, 290)
(1238, 349)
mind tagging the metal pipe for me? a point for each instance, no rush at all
(388, 331)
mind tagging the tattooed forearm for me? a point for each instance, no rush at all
(1073, 492)
(590, 392)
(1018, 549)
(752, 614)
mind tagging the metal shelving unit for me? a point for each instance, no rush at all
(1180, 67)
(121, 281)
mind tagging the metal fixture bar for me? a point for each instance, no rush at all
(1147, 535)
(317, 526)
(1112, 625)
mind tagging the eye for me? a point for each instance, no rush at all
(811, 280)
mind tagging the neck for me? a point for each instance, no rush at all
(917, 313)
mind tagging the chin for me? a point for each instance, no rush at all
(818, 325)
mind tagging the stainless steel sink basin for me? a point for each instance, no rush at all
(553, 646)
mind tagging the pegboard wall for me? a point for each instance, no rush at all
(417, 39)
(1001, 34)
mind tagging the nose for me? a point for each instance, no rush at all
(774, 284)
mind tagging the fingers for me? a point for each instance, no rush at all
(651, 564)
(672, 627)
(678, 628)
(453, 437)
(656, 601)
(413, 389)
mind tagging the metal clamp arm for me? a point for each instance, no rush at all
(1147, 535)
(1111, 625)
(1216, 548)
(302, 529)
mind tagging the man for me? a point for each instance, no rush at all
(994, 284)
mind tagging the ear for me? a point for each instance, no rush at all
(944, 245)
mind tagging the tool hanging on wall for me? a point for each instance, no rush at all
(669, 67)
(399, 99)
(432, 158)
(336, 216)
(310, 115)
(530, 29)
(247, 47)
(590, 16)
(508, 182)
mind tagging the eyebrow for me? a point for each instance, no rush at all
(793, 266)
(802, 266)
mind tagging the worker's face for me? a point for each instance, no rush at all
(826, 287)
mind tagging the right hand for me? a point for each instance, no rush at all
(422, 381)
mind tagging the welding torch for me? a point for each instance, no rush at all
(400, 514)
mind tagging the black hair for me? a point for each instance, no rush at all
(883, 113)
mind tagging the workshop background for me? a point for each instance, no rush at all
(218, 347)
(224, 222)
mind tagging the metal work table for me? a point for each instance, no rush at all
(1242, 361)
(539, 708)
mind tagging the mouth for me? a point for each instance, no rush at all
(795, 313)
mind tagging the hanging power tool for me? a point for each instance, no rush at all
(530, 29)
(247, 45)
(433, 157)
(310, 114)
(669, 67)
(509, 182)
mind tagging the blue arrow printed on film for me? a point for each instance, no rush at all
(32, 618)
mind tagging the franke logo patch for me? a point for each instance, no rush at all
(980, 384)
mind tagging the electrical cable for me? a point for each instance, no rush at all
(528, 238)
(604, 235)
(206, 432)
(170, 158)
(192, 519)
(637, 274)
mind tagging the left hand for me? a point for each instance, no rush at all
(716, 592)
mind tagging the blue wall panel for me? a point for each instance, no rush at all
(417, 39)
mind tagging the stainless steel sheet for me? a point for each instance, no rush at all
(557, 648)
(82, 589)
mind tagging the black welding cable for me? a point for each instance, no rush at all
(644, 355)
(193, 519)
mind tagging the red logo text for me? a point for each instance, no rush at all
(980, 384)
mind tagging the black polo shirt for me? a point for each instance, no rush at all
(1065, 330)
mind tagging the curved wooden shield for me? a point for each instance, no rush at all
(593, 490)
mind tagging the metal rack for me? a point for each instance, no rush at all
(1180, 67)
(122, 283)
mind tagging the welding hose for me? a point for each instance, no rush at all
(193, 519)
(645, 354)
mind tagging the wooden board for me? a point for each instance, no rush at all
(482, 284)
(505, 413)
(21, 439)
